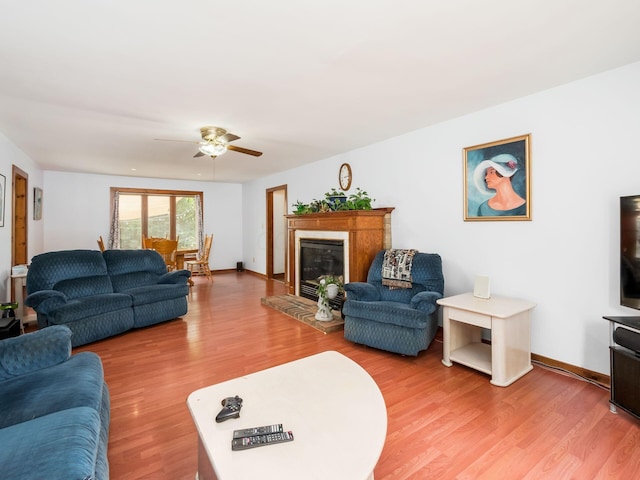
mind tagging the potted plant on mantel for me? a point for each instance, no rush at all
(328, 288)
(335, 200)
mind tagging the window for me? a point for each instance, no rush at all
(157, 213)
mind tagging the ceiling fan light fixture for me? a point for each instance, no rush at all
(212, 148)
(220, 148)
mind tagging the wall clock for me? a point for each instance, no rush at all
(344, 176)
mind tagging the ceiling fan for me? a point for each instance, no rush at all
(216, 141)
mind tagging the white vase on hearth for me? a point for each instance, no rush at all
(324, 313)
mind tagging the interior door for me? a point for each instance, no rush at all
(19, 221)
(276, 232)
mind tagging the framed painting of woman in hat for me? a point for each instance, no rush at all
(497, 180)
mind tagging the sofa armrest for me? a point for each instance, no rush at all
(34, 351)
(425, 301)
(43, 301)
(175, 276)
(362, 291)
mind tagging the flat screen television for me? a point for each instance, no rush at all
(630, 251)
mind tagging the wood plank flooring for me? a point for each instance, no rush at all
(443, 423)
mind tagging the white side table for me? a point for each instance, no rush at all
(19, 283)
(509, 356)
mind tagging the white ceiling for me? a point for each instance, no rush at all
(87, 85)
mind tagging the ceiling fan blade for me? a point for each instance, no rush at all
(255, 153)
(172, 140)
(199, 154)
(228, 137)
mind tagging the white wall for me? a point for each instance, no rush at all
(76, 212)
(584, 144)
(11, 155)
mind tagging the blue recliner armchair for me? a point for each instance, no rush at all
(400, 320)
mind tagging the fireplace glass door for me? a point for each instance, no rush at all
(320, 257)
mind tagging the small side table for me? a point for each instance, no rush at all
(19, 284)
(509, 356)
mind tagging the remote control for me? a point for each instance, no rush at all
(250, 432)
(231, 409)
(260, 440)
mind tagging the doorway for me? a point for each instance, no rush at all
(19, 221)
(276, 232)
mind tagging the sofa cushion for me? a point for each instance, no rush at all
(125, 282)
(152, 313)
(60, 446)
(28, 353)
(91, 329)
(48, 269)
(123, 262)
(77, 382)
(156, 293)
(90, 306)
(390, 337)
(426, 272)
(386, 312)
(85, 286)
(401, 295)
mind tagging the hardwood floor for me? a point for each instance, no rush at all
(443, 423)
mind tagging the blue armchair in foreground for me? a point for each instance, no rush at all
(400, 320)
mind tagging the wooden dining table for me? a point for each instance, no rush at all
(180, 255)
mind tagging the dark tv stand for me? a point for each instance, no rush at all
(625, 369)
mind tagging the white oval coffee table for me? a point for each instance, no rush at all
(332, 405)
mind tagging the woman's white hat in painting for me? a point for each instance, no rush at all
(505, 164)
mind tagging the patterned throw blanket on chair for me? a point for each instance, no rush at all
(396, 268)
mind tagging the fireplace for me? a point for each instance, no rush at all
(320, 257)
(363, 234)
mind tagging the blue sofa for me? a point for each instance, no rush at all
(101, 294)
(54, 409)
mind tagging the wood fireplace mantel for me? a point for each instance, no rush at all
(369, 232)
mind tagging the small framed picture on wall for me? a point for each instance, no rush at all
(3, 185)
(37, 203)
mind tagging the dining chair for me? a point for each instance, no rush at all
(168, 249)
(147, 242)
(201, 264)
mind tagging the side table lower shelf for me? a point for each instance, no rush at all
(474, 355)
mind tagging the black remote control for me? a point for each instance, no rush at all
(231, 409)
(250, 432)
(260, 440)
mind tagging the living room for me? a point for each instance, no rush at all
(564, 259)
(583, 158)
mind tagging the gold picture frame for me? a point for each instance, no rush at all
(37, 203)
(3, 197)
(497, 180)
